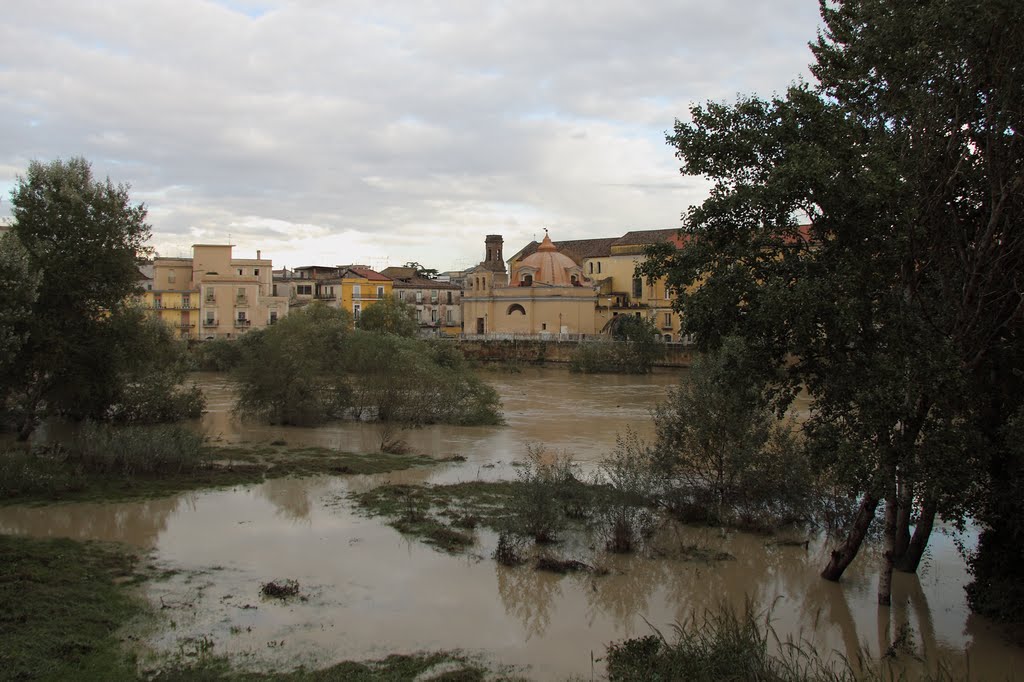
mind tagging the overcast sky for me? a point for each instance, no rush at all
(326, 132)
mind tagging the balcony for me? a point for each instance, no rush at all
(241, 299)
(210, 298)
(185, 325)
(326, 297)
(243, 323)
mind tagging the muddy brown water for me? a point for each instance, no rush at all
(367, 591)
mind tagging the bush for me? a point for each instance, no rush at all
(624, 517)
(549, 491)
(218, 355)
(629, 347)
(134, 450)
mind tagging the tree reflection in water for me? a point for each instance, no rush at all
(528, 595)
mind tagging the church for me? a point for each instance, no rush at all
(545, 293)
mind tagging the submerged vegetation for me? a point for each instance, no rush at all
(313, 367)
(629, 346)
(106, 463)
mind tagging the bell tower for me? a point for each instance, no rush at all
(494, 260)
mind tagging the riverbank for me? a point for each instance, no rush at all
(67, 609)
(44, 476)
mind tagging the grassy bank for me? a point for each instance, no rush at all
(66, 609)
(70, 473)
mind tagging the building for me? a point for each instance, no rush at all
(611, 264)
(438, 303)
(349, 287)
(213, 295)
(546, 293)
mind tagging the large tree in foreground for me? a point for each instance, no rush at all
(80, 240)
(866, 233)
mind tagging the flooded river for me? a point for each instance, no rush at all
(370, 592)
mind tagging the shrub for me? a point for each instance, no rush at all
(624, 517)
(134, 450)
(547, 482)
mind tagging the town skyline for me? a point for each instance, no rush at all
(380, 133)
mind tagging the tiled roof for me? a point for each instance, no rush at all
(364, 272)
(577, 249)
(644, 237)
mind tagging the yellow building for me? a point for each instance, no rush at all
(610, 263)
(546, 293)
(349, 287)
(213, 295)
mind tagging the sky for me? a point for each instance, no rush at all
(324, 132)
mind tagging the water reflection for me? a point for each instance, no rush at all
(371, 592)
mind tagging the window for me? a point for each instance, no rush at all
(304, 289)
(356, 309)
(667, 292)
(209, 318)
(433, 314)
(380, 292)
(449, 298)
(171, 276)
(186, 301)
(599, 267)
(401, 295)
(516, 308)
(356, 291)
(591, 267)
(158, 302)
(419, 297)
(273, 317)
(433, 296)
(449, 317)
(543, 326)
(638, 287)
(239, 272)
(668, 320)
(241, 316)
(256, 272)
(210, 298)
(274, 290)
(527, 281)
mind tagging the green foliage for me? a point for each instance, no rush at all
(312, 367)
(896, 307)
(624, 517)
(218, 355)
(549, 487)
(722, 451)
(83, 352)
(60, 606)
(135, 450)
(630, 346)
(726, 645)
(294, 371)
(390, 316)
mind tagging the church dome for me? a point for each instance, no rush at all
(548, 266)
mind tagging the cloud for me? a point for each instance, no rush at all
(395, 130)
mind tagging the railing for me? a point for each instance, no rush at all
(325, 297)
(185, 325)
(210, 323)
(211, 299)
(243, 299)
(243, 323)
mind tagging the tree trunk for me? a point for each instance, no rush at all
(888, 556)
(903, 514)
(845, 553)
(911, 559)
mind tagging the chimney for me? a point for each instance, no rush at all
(257, 254)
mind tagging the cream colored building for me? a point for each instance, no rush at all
(545, 293)
(213, 295)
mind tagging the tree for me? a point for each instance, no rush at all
(82, 239)
(312, 367)
(20, 283)
(720, 448)
(897, 304)
(390, 316)
(428, 273)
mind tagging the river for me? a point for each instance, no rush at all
(370, 592)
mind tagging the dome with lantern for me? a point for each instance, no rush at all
(547, 267)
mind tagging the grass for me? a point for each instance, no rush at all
(61, 603)
(64, 606)
(726, 645)
(435, 514)
(65, 474)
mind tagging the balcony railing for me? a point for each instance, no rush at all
(243, 323)
(210, 323)
(185, 325)
(210, 298)
(242, 299)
